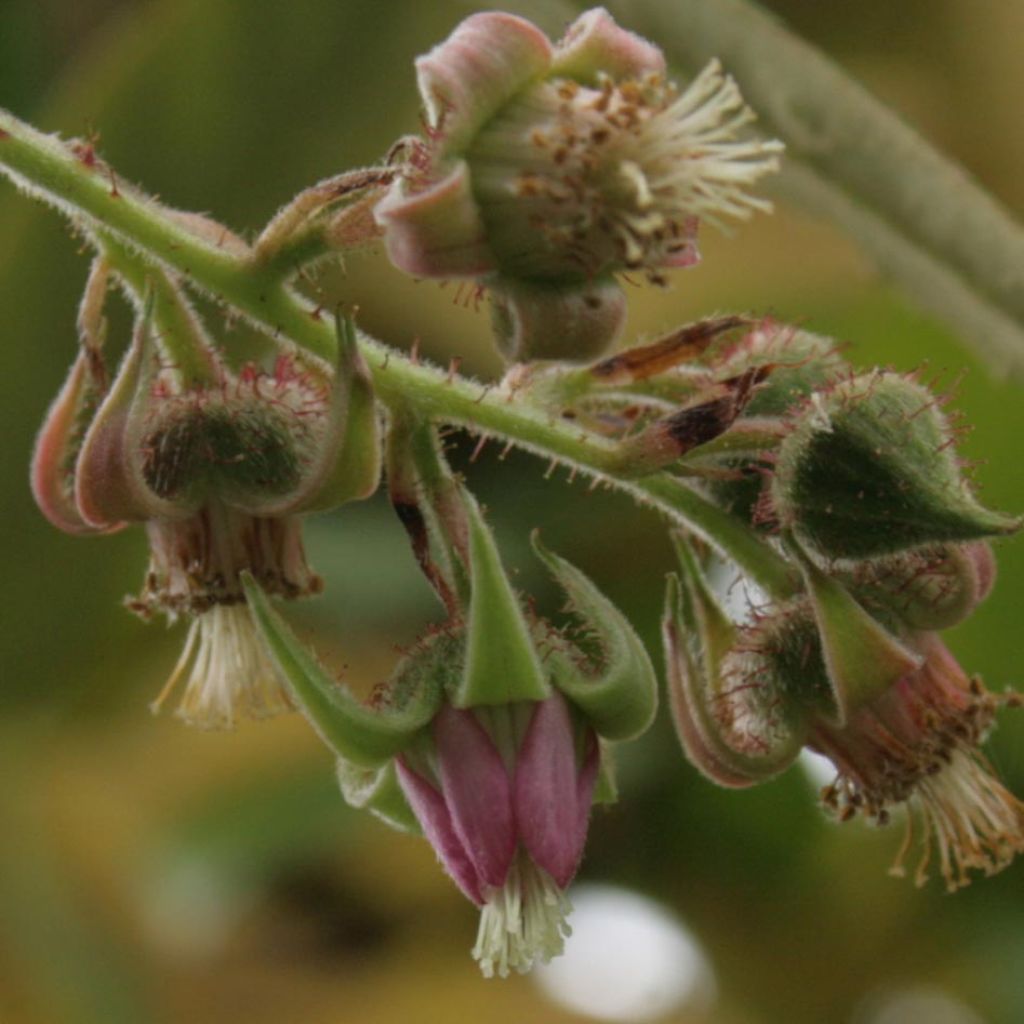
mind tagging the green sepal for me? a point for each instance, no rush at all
(698, 636)
(502, 665)
(355, 469)
(862, 657)
(606, 786)
(619, 697)
(367, 737)
(377, 790)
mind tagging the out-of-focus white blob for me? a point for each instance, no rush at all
(916, 1005)
(628, 959)
(190, 909)
(820, 771)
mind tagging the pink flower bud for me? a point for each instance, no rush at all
(504, 798)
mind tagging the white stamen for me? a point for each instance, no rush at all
(229, 675)
(973, 820)
(522, 922)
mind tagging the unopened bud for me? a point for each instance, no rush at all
(869, 470)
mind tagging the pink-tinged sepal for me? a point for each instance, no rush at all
(684, 252)
(466, 79)
(110, 486)
(595, 45)
(554, 790)
(477, 791)
(59, 444)
(737, 716)
(435, 230)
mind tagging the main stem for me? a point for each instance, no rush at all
(85, 189)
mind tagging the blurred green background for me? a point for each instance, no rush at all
(149, 873)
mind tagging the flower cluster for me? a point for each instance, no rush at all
(546, 170)
(862, 484)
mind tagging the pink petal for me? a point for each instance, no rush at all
(594, 43)
(479, 67)
(436, 232)
(552, 794)
(432, 813)
(478, 793)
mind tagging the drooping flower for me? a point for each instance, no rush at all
(547, 169)
(897, 716)
(486, 738)
(217, 465)
(504, 797)
(917, 744)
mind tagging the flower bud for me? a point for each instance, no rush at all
(547, 169)
(869, 470)
(932, 587)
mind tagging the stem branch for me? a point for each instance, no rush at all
(88, 193)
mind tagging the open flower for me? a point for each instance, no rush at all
(898, 717)
(486, 738)
(917, 743)
(547, 169)
(217, 465)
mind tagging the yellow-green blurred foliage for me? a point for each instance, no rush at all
(148, 873)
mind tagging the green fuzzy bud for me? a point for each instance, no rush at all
(869, 470)
(929, 588)
(539, 320)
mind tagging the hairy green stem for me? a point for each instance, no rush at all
(180, 334)
(90, 194)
